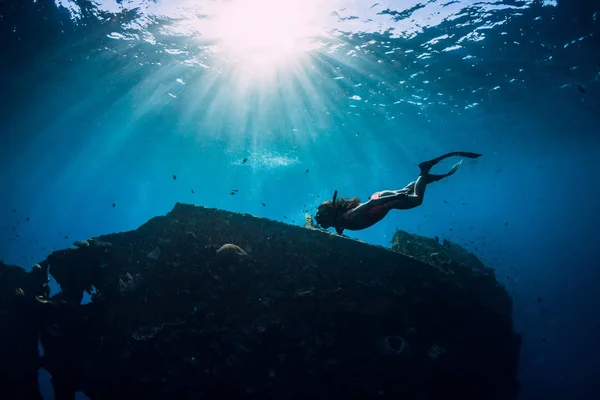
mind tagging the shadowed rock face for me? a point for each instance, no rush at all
(203, 302)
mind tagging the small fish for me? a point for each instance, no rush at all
(263, 204)
(192, 191)
(234, 190)
(539, 299)
(581, 88)
(66, 237)
(232, 193)
(244, 160)
(306, 171)
(506, 223)
(174, 177)
(27, 219)
(446, 201)
(14, 210)
(357, 133)
(114, 205)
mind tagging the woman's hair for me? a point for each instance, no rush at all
(344, 204)
(341, 206)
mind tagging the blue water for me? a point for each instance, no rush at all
(104, 104)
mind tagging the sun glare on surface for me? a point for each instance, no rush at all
(267, 31)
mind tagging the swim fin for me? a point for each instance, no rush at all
(434, 178)
(425, 166)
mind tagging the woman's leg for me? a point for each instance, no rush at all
(415, 199)
(412, 195)
(408, 189)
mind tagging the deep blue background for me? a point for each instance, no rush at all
(84, 125)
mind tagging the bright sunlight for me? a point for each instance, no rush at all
(268, 32)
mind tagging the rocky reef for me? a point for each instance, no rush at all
(207, 303)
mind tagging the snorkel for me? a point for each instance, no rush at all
(334, 197)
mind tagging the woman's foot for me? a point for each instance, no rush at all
(426, 166)
(455, 167)
(434, 178)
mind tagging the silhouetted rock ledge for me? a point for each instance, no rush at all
(203, 303)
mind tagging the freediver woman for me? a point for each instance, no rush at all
(353, 215)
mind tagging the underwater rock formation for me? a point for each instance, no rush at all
(20, 324)
(203, 302)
